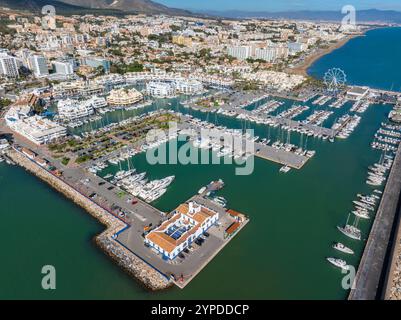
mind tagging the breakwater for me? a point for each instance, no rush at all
(131, 263)
(371, 267)
(393, 279)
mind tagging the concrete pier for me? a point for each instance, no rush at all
(263, 151)
(280, 156)
(293, 124)
(371, 266)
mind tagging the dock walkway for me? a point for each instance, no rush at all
(293, 124)
(263, 151)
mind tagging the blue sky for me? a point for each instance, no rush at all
(281, 5)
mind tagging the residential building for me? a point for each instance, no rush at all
(160, 89)
(8, 66)
(240, 52)
(69, 109)
(37, 129)
(124, 97)
(188, 86)
(63, 67)
(38, 65)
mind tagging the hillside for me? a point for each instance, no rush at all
(35, 6)
(116, 7)
(142, 6)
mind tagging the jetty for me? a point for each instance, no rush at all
(280, 156)
(292, 124)
(263, 151)
(372, 267)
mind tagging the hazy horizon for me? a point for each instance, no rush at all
(280, 5)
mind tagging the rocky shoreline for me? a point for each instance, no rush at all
(393, 285)
(394, 289)
(132, 264)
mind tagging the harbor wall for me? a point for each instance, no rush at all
(372, 264)
(392, 282)
(131, 263)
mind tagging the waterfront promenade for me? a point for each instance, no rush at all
(372, 264)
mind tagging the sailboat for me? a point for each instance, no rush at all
(351, 231)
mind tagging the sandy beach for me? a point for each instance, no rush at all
(302, 68)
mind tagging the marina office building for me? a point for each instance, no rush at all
(357, 93)
(189, 221)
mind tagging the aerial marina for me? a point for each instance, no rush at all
(284, 140)
(200, 157)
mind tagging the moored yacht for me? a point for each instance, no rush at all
(361, 214)
(350, 231)
(338, 263)
(340, 247)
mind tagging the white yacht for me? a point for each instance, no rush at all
(361, 214)
(202, 190)
(350, 231)
(285, 169)
(338, 263)
(340, 247)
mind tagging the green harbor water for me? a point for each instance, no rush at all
(280, 254)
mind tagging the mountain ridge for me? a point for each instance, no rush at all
(141, 6)
(368, 15)
(116, 7)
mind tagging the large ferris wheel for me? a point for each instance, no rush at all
(334, 79)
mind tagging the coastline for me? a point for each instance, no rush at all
(302, 69)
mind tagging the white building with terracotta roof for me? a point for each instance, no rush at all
(189, 221)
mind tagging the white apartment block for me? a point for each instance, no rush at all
(267, 51)
(8, 66)
(37, 129)
(69, 109)
(39, 65)
(188, 86)
(63, 67)
(160, 89)
(240, 52)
